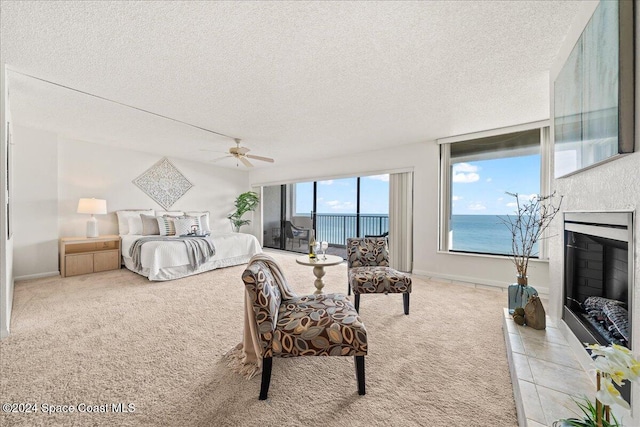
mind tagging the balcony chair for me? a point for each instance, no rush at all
(385, 235)
(369, 272)
(291, 232)
(309, 325)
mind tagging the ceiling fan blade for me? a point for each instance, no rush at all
(219, 158)
(263, 159)
(242, 150)
(245, 162)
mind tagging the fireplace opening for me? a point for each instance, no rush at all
(598, 282)
(597, 286)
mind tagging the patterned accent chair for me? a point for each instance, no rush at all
(309, 325)
(369, 271)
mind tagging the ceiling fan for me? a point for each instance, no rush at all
(240, 153)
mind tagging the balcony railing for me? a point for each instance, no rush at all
(335, 229)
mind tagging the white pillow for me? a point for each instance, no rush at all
(166, 226)
(185, 223)
(124, 215)
(204, 219)
(169, 213)
(135, 225)
(149, 225)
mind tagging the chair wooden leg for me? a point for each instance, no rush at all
(357, 301)
(266, 377)
(359, 362)
(348, 288)
(405, 298)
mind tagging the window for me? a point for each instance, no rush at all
(334, 208)
(476, 174)
(303, 198)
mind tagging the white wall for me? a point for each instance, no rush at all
(423, 159)
(6, 243)
(35, 199)
(54, 172)
(92, 170)
(611, 186)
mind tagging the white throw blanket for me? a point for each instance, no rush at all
(246, 357)
(199, 249)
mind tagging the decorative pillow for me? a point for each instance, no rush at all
(135, 225)
(184, 224)
(169, 213)
(204, 219)
(124, 215)
(149, 225)
(166, 226)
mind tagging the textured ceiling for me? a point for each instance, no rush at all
(286, 77)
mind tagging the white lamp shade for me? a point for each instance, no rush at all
(92, 206)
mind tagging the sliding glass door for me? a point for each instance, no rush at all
(335, 209)
(374, 205)
(272, 205)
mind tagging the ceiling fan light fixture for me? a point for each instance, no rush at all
(241, 156)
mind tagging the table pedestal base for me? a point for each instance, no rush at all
(318, 271)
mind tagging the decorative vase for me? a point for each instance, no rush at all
(519, 293)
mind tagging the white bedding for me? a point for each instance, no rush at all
(169, 260)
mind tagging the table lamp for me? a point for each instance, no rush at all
(92, 206)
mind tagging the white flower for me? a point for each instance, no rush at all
(609, 395)
(616, 361)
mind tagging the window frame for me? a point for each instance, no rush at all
(445, 187)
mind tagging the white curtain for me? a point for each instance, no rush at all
(401, 221)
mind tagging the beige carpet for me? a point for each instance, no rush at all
(115, 337)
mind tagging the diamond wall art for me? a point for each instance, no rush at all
(163, 183)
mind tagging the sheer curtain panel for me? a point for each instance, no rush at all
(401, 221)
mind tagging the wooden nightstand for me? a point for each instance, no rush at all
(82, 255)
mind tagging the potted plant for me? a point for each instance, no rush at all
(613, 364)
(245, 202)
(532, 217)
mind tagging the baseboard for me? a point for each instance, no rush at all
(37, 276)
(473, 280)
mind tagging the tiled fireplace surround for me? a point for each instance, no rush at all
(550, 366)
(547, 372)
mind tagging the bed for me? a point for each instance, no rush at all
(168, 260)
(164, 257)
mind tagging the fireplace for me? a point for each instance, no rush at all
(598, 277)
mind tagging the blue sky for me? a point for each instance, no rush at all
(479, 187)
(338, 196)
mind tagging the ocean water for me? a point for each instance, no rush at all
(471, 233)
(335, 229)
(481, 233)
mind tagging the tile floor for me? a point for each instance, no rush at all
(544, 372)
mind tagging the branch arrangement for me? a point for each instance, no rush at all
(527, 227)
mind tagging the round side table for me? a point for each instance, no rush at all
(318, 265)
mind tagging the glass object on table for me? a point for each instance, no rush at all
(324, 246)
